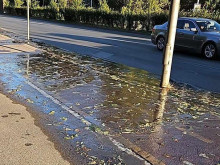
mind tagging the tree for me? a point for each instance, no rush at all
(62, 4)
(212, 5)
(76, 4)
(153, 6)
(104, 6)
(139, 7)
(18, 3)
(164, 4)
(6, 3)
(53, 5)
(116, 4)
(189, 4)
(128, 9)
(34, 4)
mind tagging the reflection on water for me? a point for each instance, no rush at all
(123, 98)
(158, 114)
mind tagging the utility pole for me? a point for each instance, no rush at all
(28, 21)
(168, 52)
(1, 6)
(91, 3)
(158, 114)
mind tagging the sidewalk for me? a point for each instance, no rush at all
(22, 142)
(8, 46)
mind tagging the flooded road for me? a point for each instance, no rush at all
(93, 104)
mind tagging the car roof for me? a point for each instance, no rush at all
(194, 19)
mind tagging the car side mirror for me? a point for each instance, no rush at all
(194, 30)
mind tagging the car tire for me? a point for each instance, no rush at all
(160, 43)
(209, 51)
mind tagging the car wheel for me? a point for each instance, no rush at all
(160, 43)
(209, 51)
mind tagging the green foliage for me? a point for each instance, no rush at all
(6, 3)
(159, 18)
(135, 15)
(76, 4)
(143, 6)
(212, 5)
(139, 7)
(128, 9)
(164, 4)
(116, 5)
(188, 5)
(62, 4)
(18, 3)
(104, 6)
(153, 6)
(53, 5)
(34, 4)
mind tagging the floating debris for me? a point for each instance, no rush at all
(51, 112)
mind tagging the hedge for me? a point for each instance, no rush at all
(99, 18)
(94, 17)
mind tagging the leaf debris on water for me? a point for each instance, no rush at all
(70, 137)
(30, 101)
(187, 163)
(52, 113)
(64, 118)
(204, 156)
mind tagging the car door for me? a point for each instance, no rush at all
(187, 37)
(180, 25)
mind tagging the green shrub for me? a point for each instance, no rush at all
(18, 3)
(159, 18)
(34, 4)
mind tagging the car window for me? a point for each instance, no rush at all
(208, 26)
(188, 25)
(185, 25)
(180, 24)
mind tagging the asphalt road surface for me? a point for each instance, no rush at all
(131, 49)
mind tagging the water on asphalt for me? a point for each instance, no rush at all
(83, 95)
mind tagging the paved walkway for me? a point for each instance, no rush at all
(8, 46)
(22, 142)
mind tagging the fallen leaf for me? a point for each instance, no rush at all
(204, 156)
(187, 163)
(67, 129)
(64, 118)
(52, 113)
(93, 162)
(29, 101)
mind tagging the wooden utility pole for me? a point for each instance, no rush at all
(158, 114)
(171, 34)
(1, 6)
(28, 21)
